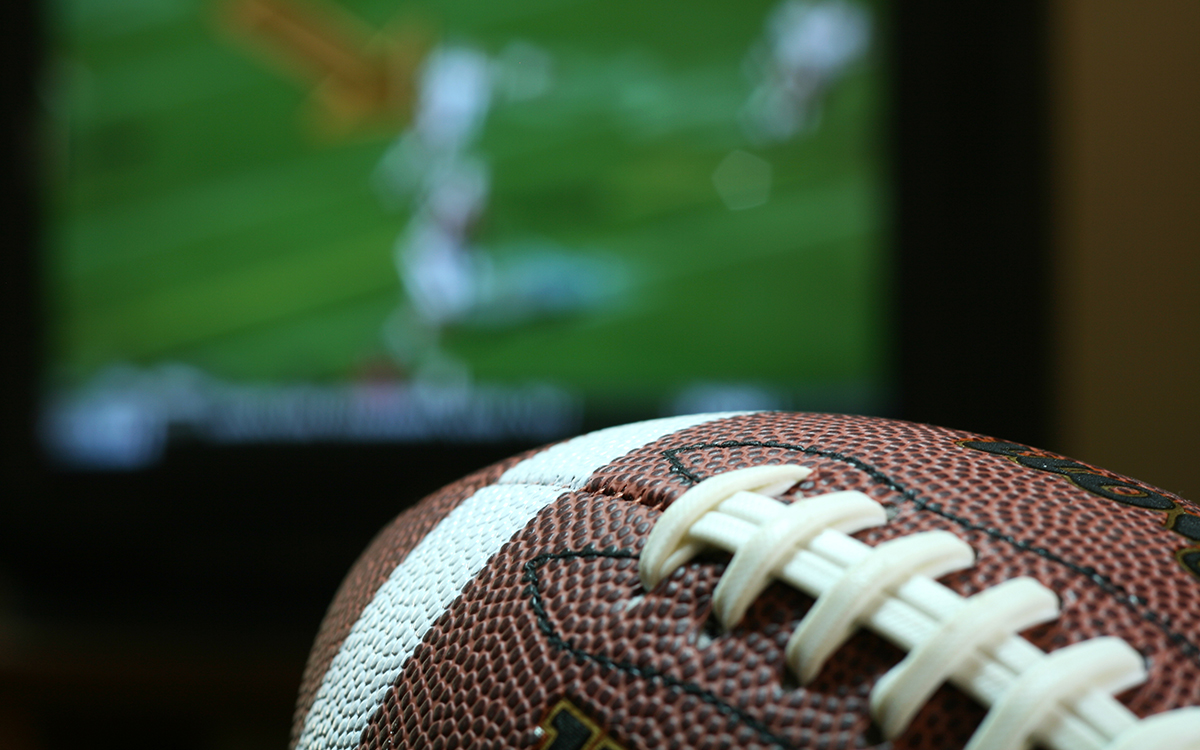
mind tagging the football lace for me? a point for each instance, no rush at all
(1061, 700)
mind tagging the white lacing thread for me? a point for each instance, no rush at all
(1062, 700)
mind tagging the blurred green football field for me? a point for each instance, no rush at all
(194, 216)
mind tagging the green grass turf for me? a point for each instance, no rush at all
(196, 218)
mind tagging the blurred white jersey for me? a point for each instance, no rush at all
(808, 46)
(818, 38)
(455, 95)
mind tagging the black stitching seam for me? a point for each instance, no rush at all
(1107, 585)
(533, 591)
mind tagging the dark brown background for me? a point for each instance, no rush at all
(1126, 159)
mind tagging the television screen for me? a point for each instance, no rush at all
(289, 220)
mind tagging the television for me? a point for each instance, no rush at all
(273, 221)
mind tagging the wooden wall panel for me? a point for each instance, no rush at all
(1126, 129)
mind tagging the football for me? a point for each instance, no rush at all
(770, 580)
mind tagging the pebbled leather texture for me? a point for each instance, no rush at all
(387, 550)
(559, 612)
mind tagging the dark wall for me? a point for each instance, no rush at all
(1126, 118)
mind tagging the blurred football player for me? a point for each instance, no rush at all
(436, 168)
(807, 47)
